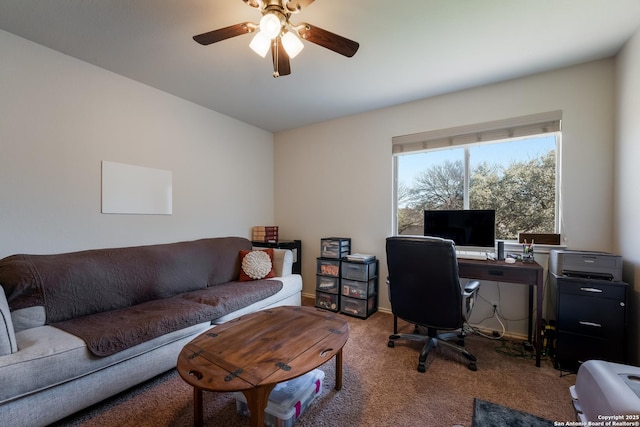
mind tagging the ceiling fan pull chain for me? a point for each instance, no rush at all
(276, 72)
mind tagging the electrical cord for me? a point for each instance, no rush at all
(512, 348)
(507, 347)
(508, 319)
(477, 331)
(515, 349)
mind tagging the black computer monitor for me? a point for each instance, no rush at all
(470, 229)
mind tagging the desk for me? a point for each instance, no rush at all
(524, 273)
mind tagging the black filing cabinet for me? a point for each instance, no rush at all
(591, 320)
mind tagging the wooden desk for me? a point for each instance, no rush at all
(254, 352)
(524, 273)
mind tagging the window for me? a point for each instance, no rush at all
(509, 166)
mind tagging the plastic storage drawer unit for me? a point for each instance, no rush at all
(357, 289)
(327, 301)
(288, 400)
(328, 267)
(359, 307)
(362, 271)
(335, 247)
(327, 284)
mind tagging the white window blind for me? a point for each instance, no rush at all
(535, 124)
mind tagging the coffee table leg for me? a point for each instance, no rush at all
(339, 370)
(257, 400)
(197, 407)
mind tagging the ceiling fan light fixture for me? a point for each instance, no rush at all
(292, 44)
(260, 44)
(276, 33)
(270, 25)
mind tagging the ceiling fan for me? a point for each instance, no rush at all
(277, 33)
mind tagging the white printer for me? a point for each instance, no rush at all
(585, 264)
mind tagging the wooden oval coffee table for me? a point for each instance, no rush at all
(253, 353)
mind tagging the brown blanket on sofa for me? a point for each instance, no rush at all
(112, 331)
(77, 284)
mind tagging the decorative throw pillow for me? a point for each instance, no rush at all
(256, 264)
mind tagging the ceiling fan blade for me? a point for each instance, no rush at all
(225, 33)
(281, 64)
(252, 3)
(295, 6)
(327, 39)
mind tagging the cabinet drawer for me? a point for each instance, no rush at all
(359, 270)
(328, 267)
(327, 301)
(327, 284)
(498, 271)
(358, 307)
(574, 349)
(598, 317)
(599, 289)
(356, 289)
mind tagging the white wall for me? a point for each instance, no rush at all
(60, 117)
(335, 178)
(627, 177)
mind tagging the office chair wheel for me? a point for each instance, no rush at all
(422, 360)
(391, 344)
(472, 360)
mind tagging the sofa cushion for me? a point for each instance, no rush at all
(233, 296)
(28, 317)
(7, 335)
(58, 357)
(256, 264)
(290, 294)
(109, 332)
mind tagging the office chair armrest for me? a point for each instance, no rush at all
(471, 287)
(470, 291)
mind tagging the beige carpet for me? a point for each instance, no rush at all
(381, 387)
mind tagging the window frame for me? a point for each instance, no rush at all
(544, 124)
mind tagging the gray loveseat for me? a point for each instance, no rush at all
(76, 328)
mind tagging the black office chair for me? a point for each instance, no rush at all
(424, 289)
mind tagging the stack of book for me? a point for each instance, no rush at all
(265, 233)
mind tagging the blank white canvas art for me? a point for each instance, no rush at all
(130, 189)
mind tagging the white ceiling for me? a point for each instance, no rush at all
(409, 49)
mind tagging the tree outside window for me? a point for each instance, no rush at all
(517, 178)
